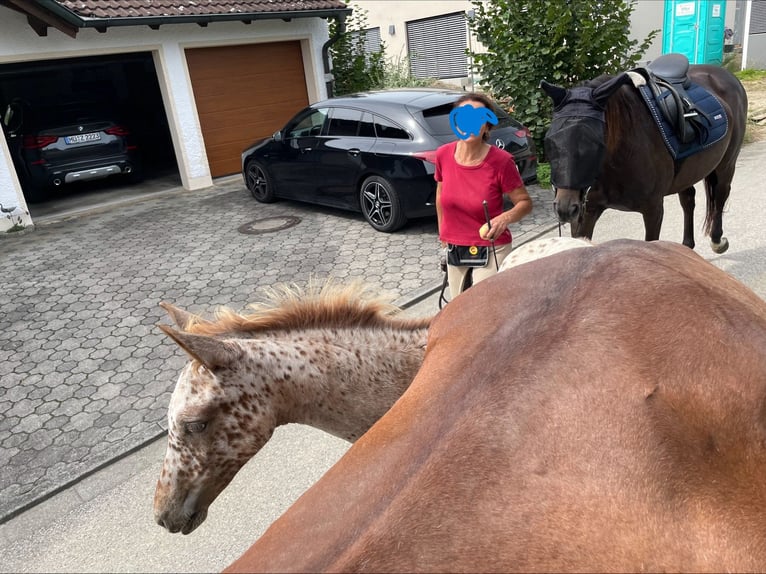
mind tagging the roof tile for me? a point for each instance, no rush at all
(155, 8)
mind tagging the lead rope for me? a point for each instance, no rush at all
(443, 264)
(553, 189)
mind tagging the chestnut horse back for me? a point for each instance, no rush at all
(600, 409)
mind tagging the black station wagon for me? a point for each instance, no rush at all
(370, 152)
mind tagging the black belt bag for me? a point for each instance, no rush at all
(467, 255)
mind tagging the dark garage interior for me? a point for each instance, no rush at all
(124, 84)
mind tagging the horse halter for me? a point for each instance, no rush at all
(583, 200)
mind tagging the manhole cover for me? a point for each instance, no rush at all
(269, 224)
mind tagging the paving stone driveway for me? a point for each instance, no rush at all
(85, 375)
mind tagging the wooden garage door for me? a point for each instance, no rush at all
(244, 93)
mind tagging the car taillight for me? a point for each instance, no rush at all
(37, 142)
(117, 131)
(429, 156)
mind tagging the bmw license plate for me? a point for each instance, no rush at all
(80, 138)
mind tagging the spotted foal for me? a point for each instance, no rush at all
(336, 360)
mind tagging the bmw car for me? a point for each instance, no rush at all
(370, 152)
(58, 145)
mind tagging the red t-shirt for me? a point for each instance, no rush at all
(464, 188)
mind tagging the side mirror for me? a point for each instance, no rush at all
(277, 136)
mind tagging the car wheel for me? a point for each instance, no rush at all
(258, 182)
(380, 205)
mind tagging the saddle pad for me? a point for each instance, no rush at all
(714, 130)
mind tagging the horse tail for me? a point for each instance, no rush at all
(710, 186)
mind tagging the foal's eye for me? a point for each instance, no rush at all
(195, 427)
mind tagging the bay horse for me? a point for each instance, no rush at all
(335, 358)
(606, 152)
(600, 409)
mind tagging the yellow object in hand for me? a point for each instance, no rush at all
(483, 230)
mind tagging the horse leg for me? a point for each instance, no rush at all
(584, 226)
(686, 198)
(717, 186)
(653, 215)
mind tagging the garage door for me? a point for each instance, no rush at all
(244, 93)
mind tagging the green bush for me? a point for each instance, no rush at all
(398, 74)
(562, 41)
(353, 69)
(544, 174)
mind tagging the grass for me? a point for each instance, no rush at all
(746, 75)
(544, 174)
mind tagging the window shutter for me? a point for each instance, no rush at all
(436, 46)
(758, 18)
(372, 41)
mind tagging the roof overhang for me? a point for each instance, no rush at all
(42, 14)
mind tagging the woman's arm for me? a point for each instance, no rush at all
(439, 210)
(522, 206)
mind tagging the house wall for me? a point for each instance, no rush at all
(387, 13)
(18, 43)
(755, 52)
(647, 15)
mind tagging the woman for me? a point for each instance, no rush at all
(470, 172)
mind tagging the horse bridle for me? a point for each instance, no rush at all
(584, 194)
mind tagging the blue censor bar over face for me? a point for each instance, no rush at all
(466, 120)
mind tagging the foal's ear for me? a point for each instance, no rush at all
(602, 93)
(556, 93)
(181, 318)
(209, 351)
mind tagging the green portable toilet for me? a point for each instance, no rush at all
(695, 28)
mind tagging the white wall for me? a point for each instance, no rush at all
(647, 16)
(385, 13)
(18, 42)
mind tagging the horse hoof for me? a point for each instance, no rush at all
(720, 247)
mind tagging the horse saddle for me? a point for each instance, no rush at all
(668, 81)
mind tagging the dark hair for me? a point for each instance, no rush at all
(482, 99)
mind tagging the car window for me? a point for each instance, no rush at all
(387, 129)
(438, 123)
(344, 122)
(366, 126)
(48, 116)
(310, 125)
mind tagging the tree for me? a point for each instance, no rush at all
(353, 69)
(562, 41)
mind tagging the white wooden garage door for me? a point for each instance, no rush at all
(244, 93)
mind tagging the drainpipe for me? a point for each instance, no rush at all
(746, 37)
(329, 81)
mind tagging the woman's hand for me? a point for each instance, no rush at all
(498, 225)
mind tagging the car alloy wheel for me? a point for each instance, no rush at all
(258, 182)
(380, 205)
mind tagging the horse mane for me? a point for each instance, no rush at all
(288, 307)
(620, 112)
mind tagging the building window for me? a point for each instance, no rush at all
(758, 18)
(371, 40)
(436, 46)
